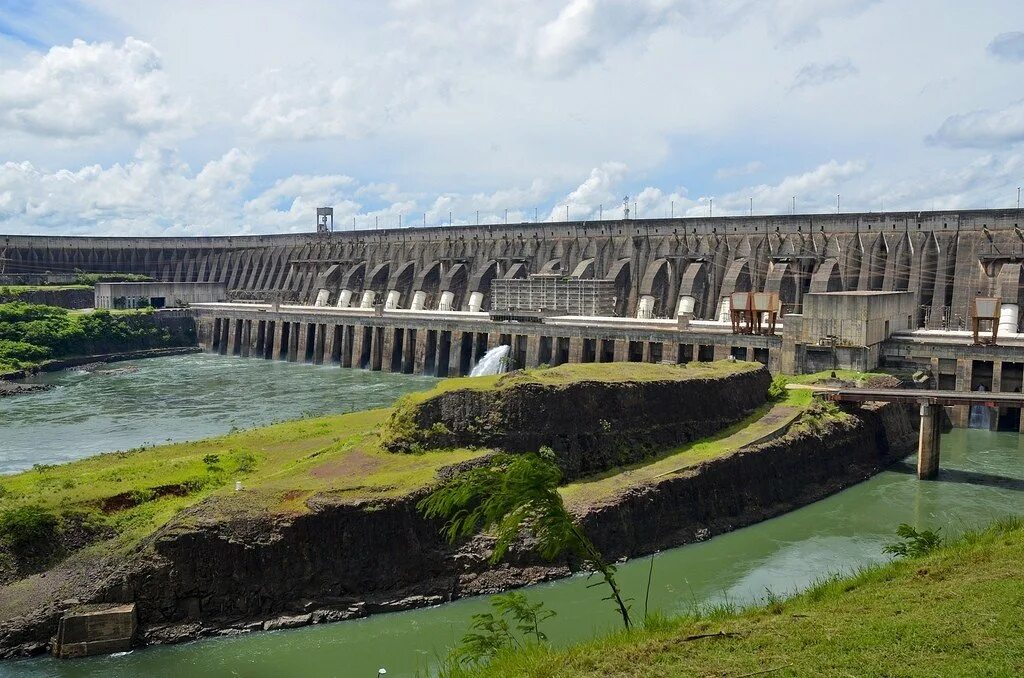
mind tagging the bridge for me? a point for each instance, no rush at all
(931, 403)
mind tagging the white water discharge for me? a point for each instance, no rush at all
(493, 361)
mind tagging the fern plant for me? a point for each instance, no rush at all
(512, 493)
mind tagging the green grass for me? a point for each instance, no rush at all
(15, 290)
(954, 612)
(845, 375)
(763, 421)
(280, 467)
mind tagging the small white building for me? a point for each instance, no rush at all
(157, 294)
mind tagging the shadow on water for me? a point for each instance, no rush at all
(962, 476)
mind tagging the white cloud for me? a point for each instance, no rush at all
(800, 20)
(370, 95)
(597, 192)
(814, 190)
(748, 168)
(1008, 46)
(89, 89)
(983, 128)
(815, 74)
(585, 29)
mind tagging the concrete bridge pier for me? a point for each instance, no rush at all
(928, 441)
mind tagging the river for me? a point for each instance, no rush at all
(982, 478)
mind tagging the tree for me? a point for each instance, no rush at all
(512, 493)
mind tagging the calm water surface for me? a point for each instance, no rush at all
(182, 397)
(982, 478)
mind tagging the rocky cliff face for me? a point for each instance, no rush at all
(591, 426)
(210, 574)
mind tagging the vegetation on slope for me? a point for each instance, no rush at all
(952, 612)
(127, 495)
(33, 333)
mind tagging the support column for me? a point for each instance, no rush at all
(303, 342)
(420, 351)
(232, 344)
(621, 351)
(961, 414)
(318, 345)
(357, 345)
(276, 341)
(293, 341)
(246, 338)
(455, 355)
(532, 350)
(388, 349)
(928, 442)
(575, 349)
(330, 335)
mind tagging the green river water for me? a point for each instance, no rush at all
(982, 478)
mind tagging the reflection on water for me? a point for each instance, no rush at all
(981, 479)
(177, 398)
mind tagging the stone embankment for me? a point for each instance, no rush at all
(209, 572)
(73, 298)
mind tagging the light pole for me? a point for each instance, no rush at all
(794, 204)
(751, 206)
(673, 209)
(837, 203)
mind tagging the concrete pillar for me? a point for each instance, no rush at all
(393, 298)
(331, 334)
(621, 351)
(232, 343)
(961, 414)
(293, 342)
(246, 338)
(303, 342)
(997, 376)
(447, 301)
(532, 350)
(928, 442)
(410, 345)
(575, 349)
(476, 302)
(388, 348)
(368, 298)
(420, 351)
(722, 352)
(357, 345)
(418, 300)
(277, 339)
(347, 337)
(455, 354)
(345, 299)
(318, 345)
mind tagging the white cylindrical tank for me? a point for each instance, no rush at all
(446, 301)
(368, 297)
(723, 310)
(345, 299)
(321, 297)
(645, 308)
(418, 300)
(394, 296)
(476, 302)
(1008, 315)
(686, 305)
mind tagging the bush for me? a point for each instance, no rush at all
(913, 543)
(25, 525)
(777, 389)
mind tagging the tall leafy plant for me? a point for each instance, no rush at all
(515, 493)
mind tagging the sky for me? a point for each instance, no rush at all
(199, 117)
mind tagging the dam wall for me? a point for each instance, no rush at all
(944, 258)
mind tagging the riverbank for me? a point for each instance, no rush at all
(184, 541)
(34, 335)
(76, 361)
(952, 612)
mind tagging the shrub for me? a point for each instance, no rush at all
(25, 525)
(913, 543)
(777, 389)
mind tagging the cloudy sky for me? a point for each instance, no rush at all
(217, 116)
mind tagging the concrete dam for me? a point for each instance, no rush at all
(942, 258)
(854, 291)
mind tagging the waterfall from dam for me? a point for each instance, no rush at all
(980, 415)
(493, 362)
